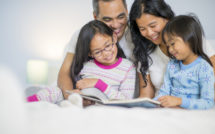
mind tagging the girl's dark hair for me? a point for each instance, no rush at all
(82, 49)
(187, 27)
(144, 47)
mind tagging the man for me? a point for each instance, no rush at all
(112, 12)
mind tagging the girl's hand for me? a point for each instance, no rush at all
(85, 102)
(76, 91)
(86, 83)
(66, 95)
(170, 101)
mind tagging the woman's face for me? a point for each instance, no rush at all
(151, 27)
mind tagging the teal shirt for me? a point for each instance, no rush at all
(194, 83)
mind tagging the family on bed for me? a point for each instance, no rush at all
(153, 52)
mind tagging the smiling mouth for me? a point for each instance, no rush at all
(175, 54)
(154, 38)
(117, 31)
(109, 58)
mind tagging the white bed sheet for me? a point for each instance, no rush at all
(108, 120)
(19, 117)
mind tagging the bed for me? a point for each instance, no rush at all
(19, 117)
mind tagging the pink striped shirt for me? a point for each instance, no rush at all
(117, 81)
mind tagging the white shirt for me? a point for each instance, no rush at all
(125, 43)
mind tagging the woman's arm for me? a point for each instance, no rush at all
(147, 91)
(212, 58)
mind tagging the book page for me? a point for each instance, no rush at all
(139, 102)
(93, 93)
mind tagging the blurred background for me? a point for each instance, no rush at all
(34, 33)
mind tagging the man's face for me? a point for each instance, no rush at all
(114, 14)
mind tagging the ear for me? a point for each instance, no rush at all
(127, 13)
(90, 55)
(94, 15)
(115, 39)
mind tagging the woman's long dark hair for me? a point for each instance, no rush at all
(144, 47)
(82, 49)
(189, 28)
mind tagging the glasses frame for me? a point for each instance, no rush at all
(104, 49)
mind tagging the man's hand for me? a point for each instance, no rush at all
(170, 101)
(86, 83)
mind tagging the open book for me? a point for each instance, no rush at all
(99, 97)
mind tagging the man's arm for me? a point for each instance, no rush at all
(64, 80)
(147, 91)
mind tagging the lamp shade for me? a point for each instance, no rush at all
(37, 72)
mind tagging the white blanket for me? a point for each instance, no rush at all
(19, 117)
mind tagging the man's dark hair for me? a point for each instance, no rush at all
(96, 5)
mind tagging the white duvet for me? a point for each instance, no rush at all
(19, 117)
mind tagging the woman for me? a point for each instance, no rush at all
(147, 20)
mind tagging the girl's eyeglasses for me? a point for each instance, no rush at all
(107, 48)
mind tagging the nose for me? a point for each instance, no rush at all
(170, 49)
(150, 32)
(115, 24)
(105, 53)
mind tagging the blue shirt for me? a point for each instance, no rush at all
(194, 83)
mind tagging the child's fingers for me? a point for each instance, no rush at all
(79, 84)
(76, 91)
(162, 98)
(165, 104)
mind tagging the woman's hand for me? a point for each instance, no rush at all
(170, 101)
(86, 83)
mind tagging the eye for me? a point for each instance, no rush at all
(121, 16)
(109, 45)
(153, 26)
(172, 43)
(142, 29)
(107, 19)
(97, 53)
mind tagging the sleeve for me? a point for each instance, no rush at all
(165, 88)
(70, 48)
(206, 85)
(126, 88)
(207, 48)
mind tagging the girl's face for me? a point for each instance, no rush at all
(151, 27)
(179, 49)
(103, 48)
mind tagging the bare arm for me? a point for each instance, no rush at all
(64, 80)
(147, 91)
(212, 58)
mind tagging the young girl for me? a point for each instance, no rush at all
(189, 78)
(98, 63)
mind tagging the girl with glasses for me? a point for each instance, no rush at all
(98, 63)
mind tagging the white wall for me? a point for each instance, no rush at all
(40, 29)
